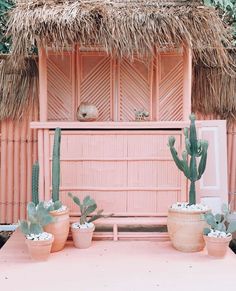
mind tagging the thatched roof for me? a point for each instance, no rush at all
(122, 27)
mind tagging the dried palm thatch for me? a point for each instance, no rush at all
(19, 88)
(214, 92)
(122, 27)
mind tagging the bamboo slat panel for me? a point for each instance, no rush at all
(18, 151)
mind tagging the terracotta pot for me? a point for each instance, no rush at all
(39, 250)
(82, 237)
(185, 229)
(217, 246)
(60, 229)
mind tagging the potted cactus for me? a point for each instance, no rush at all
(61, 225)
(82, 231)
(219, 233)
(185, 222)
(39, 243)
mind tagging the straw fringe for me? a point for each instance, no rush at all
(124, 28)
(19, 89)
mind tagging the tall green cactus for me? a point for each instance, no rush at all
(195, 149)
(35, 183)
(56, 165)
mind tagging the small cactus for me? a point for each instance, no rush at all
(35, 183)
(56, 165)
(38, 217)
(195, 149)
(86, 208)
(219, 222)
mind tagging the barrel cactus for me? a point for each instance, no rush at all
(38, 217)
(195, 149)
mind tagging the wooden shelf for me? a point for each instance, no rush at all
(110, 125)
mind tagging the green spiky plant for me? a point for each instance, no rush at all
(35, 183)
(219, 221)
(38, 217)
(56, 165)
(87, 208)
(195, 149)
(55, 175)
(56, 171)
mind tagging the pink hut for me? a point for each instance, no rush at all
(120, 56)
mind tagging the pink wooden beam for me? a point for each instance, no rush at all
(187, 86)
(43, 98)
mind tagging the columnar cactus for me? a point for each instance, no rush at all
(56, 165)
(35, 183)
(195, 149)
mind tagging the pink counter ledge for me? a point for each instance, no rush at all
(115, 266)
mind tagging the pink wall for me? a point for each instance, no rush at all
(18, 147)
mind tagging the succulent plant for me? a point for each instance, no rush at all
(195, 149)
(87, 208)
(35, 183)
(219, 222)
(38, 217)
(51, 206)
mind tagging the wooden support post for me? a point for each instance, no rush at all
(187, 86)
(115, 232)
(43, 100)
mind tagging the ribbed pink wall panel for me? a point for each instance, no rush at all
(127, 172)
(18, 151)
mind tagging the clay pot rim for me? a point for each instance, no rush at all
(91, 229)
(188, 211)
(58, 213)
(40, 242)
(217, 239)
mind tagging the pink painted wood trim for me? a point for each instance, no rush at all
(187, 86)
(113, 125)
(43, 100)
(79, 74)
(23, 169)
(41, 163)
(17, 178)
(10, 167)
(74, 83)
(117, 95)
(156, 98)
(3, 185)
(47, 175)
(151, 85)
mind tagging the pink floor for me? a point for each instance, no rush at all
(109, 265)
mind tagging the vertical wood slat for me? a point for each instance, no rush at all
(18, 151)
(3, 177)
(43, 98)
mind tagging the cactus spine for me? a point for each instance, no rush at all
(35, 183)
(195, 149)
(56, 165)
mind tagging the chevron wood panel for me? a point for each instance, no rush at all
(95, 83)
(60, 87)
(135, 88)
(171, 88)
